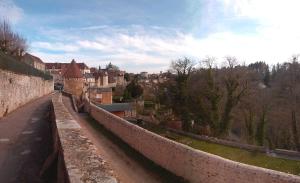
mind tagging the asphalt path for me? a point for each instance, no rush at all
(25, 142)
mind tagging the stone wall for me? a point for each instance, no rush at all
(74, 86)
(193, 165)
(221, 141)
(17, 89)
(78, 159)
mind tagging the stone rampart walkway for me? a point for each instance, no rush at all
(25, 142)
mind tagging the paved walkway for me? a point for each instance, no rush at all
(25, 141)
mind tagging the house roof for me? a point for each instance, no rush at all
(82, 66)
(33, 58)
(56, 65)
(53, 65)
(99, 74)
(89, 75)
(114, 107)
(72, 71)
(99, 90)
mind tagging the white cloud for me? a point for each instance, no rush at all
(144, 49)
(91, 45)
(265, 11)
(276, 38)
(56, 46)
(10, 11)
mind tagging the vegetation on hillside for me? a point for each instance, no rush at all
(133, 90)
(10, 63)
(252, 104)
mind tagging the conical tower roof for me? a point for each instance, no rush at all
(73, 71)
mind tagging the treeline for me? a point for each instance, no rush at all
(11, 43)
(253, 104)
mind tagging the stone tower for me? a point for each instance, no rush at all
(120, 78)
(105, 79)
(73, 79)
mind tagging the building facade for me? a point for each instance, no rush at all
(100, 95)
(34, 61)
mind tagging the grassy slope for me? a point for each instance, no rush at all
(235, 154)
(12, 64)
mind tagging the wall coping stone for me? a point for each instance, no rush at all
(83, 163)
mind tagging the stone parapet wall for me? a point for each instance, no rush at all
(194, 165)
(73, 100)
(18, 89)
(78, 160)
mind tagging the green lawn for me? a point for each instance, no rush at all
(235, 154)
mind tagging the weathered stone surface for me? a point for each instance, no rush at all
(83, 163)
(18, 89)
(194, 165)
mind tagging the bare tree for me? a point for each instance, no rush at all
(231, 62)
(182, 67)
(10, 42)
(211, 92)
(236, 86)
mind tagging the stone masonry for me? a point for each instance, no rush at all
(82, 162)
(18, 89)
(194, 165)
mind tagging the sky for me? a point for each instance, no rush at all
(146, 35)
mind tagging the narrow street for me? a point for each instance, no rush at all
(128, 165)
(25, 142)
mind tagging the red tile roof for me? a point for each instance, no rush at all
(72, 71)
(81, 66)
(54, 65)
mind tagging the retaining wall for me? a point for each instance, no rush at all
(18, 89)
(280, 152)
(193, 165)
(221, 141)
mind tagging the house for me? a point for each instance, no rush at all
(34, 61)
(84, 68)
(89, 79)
(109, 77)
(100, 95)
(101, 79)
(61, 67)
(115, 77)
(123, 110)
(144, 75)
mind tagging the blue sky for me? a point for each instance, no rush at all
(146, 35)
